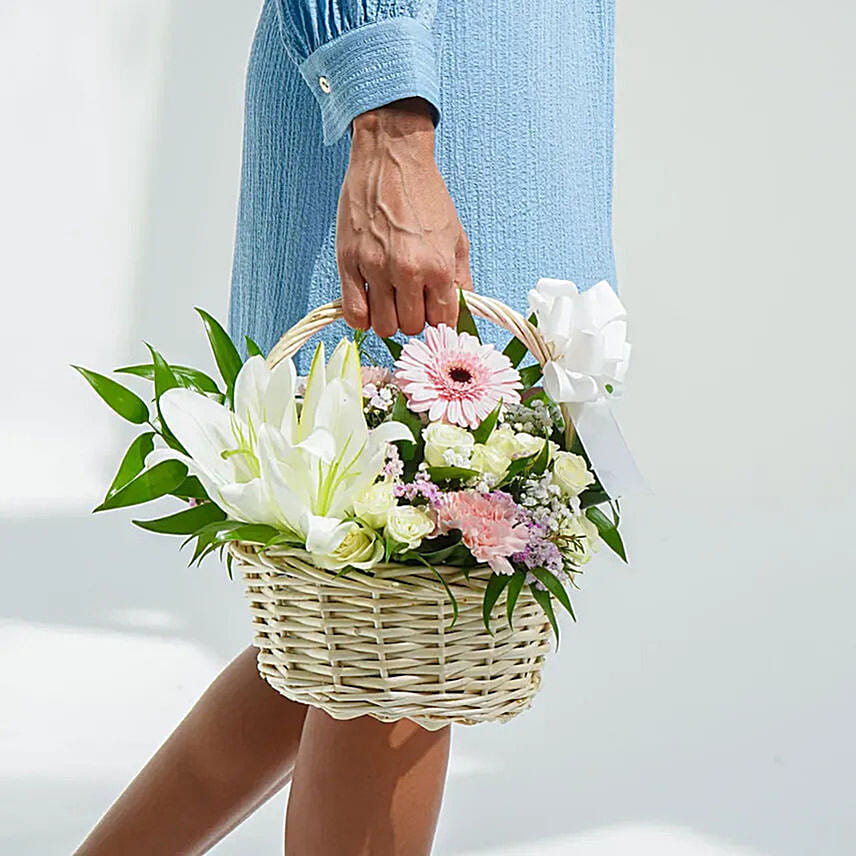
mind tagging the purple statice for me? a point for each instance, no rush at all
(394, 466)
(420, 486)
(540, 551)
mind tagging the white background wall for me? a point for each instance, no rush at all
(704, 703)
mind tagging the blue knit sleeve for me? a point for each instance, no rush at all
(359, 54)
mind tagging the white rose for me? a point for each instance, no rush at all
(571, 473)
(526, 445)
(440, 438)
(487, 460)
(360, 548)
(408, 525)
(502, 441)
(581, 539)
(375, 504)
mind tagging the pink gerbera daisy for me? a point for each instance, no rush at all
(454, 377)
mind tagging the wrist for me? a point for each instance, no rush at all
(409, 120)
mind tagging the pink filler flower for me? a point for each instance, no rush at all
(488, 523)
(375, 375)
(455, 377)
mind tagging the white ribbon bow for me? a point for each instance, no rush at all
(587, 332)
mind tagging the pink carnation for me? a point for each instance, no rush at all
(375, 375)
(488, 523)
(452, 376)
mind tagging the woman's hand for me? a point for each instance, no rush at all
(401, 250)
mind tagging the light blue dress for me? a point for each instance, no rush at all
(523, 100)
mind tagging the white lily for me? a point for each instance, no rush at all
(312, 492)
(588, 333)
(222, 445)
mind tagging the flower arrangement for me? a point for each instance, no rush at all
(453, 455)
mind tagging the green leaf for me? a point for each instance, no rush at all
(519, 466)
(593, 496)
(541, 460)
(449, 592)
(466, 324)
(215, 535)
(160, 480)
(493, 590)
(440, 555)
(515, 350)
(164, 377)
(164, 380)
(515, 584)
(253, 350)
(187, 377)
(190, 488)
(439, 474)
(485, 429)
(393, 347)
(554, 585)
(543, 598)
(225, 353)
(133, 461)
(400, 413)
(256, 533)
(530, 375)
(608, 531)
(127, 404)
(184, 522)
(343, 572)
(389, 545)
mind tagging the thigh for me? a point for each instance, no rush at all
(365, 788)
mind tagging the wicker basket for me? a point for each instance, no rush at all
(379, 643)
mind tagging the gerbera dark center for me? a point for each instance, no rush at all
(460, 374)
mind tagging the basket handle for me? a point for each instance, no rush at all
(485, 307)
(488, 308)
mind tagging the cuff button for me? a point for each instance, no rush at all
(324, 84)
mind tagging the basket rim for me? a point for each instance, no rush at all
(390, 579)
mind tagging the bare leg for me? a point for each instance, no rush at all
(365, 788)
(234, 749)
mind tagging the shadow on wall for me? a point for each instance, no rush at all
(185, 250)
(672, 705)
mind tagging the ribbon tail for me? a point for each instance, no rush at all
(607, 449)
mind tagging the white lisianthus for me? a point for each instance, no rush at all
(374, 505)
(335, 545)
(487, 460)
(526, 445)
(581, 539)
(408, 525)
(441, 438)
(571, 473)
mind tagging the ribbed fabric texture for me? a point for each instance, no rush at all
(524, 142)
(370, 66)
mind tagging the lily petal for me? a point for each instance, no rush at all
(203, 427)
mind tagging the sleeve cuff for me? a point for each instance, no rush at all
(370, 66)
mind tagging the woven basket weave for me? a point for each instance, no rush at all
(379, 643)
